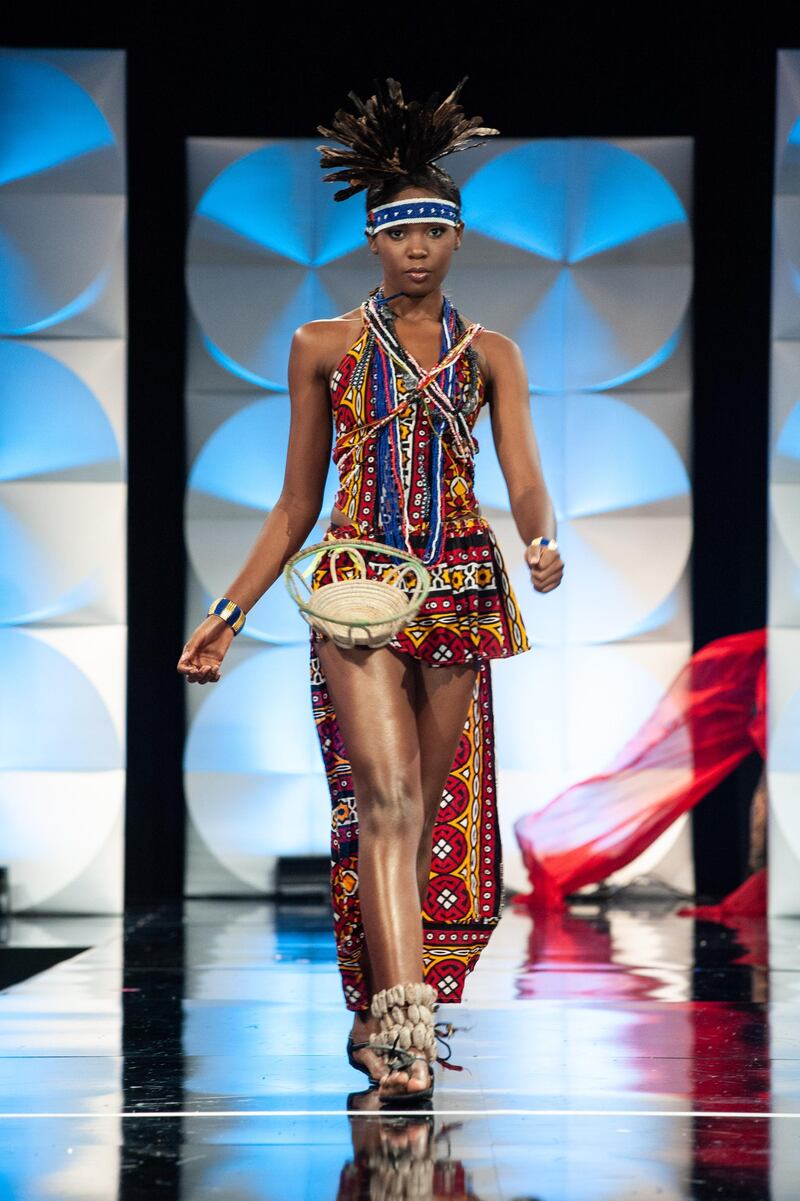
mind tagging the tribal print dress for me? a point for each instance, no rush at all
(469, 616)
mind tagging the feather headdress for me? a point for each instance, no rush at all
(391, 138)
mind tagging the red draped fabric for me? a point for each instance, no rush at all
(712, 716)
(746, 901)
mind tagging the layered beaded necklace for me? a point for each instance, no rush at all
(410, 486)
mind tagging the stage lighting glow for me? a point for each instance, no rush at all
(50, 421)
(80, 730)
(244, 460)
(788, 444)
(567, 199)
(271, 200)
(606, 457)
(257, 718)
(49, 118)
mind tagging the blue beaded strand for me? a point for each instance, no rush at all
(391, 502)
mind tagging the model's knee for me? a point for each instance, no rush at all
(391, 807)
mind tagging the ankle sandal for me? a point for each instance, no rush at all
(408, 1032)
(354, 1063)
(400, 1060)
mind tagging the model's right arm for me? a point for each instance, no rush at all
(289, 523)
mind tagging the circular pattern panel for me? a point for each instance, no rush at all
(236, 477)
(61, 202)
(622, 500)
(602, 274)
(785, 486)
(254, 785)
(52, 694)
(57, 453)
(261, 232)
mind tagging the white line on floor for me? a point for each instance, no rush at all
(464, 1113)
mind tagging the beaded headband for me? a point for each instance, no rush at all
(419, 208)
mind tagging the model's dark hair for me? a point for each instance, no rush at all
(433, 179)
(392, 145)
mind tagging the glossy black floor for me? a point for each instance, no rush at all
(617, 1051)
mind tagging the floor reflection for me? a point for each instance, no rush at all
(408, 1156)
(199, 1052)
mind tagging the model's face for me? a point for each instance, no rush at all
(416, 257)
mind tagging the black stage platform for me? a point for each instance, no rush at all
(619, 1050)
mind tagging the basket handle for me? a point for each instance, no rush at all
(350, 550)
(293, 576)
(302, 575)
(418, 580)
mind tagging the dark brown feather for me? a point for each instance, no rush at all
(390, 137)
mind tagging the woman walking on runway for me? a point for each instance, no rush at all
(393, 389)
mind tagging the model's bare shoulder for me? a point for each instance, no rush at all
(494, 350)
(326, 339)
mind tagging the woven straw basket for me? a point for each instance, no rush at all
(357, 612)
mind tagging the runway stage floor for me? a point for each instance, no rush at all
(616, 1051)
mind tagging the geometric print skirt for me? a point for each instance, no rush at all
(470, 616)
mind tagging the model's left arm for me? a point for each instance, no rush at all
(518, 454)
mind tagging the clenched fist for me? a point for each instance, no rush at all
(546, 567)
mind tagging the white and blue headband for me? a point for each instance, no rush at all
(419, 208)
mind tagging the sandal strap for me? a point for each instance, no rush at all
(443, 1031)
(398, 1059)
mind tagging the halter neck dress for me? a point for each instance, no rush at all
(470, 615)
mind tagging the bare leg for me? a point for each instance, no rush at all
(373, 692)
(443, 698)
(758, 824)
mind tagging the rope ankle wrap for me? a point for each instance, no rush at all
(405, 1012)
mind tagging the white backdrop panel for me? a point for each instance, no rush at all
(588, 245)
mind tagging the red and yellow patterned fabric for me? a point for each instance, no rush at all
(469, 616)
(355, 447)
